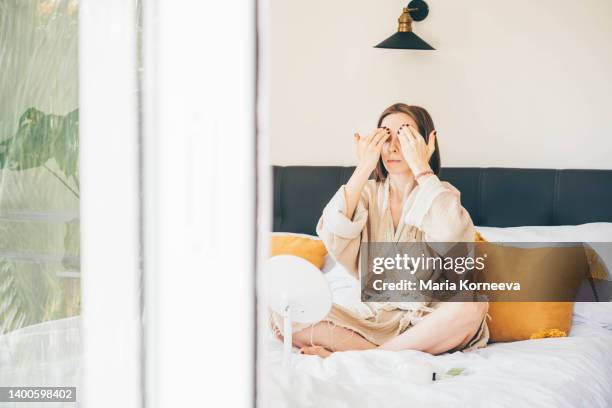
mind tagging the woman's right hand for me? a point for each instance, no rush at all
(369, 148)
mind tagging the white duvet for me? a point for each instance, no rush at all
(575, 371)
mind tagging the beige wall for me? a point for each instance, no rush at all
(512, 84)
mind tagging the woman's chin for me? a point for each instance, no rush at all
(396, 167)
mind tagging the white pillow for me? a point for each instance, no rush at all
(328, 263)
(344, 287)
(593, 232)
(599, 314)
(598, 235)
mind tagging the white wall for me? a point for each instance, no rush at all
(511, 84)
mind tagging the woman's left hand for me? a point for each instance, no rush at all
(414, 149)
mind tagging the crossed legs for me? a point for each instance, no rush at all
(449, 326)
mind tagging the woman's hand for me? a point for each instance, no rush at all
(368, 152)
(414, 149)
(369, 148)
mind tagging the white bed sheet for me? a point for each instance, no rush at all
(575, 371)
(562, 372)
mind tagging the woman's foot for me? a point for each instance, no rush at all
(316, 351)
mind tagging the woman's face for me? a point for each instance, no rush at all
(391, 152)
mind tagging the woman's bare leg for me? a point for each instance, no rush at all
(447, 327)
(331, 337)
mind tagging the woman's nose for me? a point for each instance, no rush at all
(393, 146)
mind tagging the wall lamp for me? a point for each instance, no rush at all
(405, 39)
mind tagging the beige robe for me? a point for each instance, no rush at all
(432, 212)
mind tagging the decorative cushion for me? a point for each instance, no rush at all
(311, 249)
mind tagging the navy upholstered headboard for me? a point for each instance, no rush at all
(496, 197)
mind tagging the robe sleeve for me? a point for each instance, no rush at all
(437, 211)
(341, 235)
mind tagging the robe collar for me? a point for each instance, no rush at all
(385, 210)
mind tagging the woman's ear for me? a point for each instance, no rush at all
(431, 142)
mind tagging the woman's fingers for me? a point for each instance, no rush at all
(405, 130)
(376, 144)
(414, 133)
(403, 138)
(373, 135)
(382, 135)
(382, 140)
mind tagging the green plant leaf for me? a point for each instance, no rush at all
(41, 137)
(66, 146)
(30, 147)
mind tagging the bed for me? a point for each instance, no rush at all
(574, 371)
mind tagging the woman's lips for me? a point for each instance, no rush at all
(393, 161)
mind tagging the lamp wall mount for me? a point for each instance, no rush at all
(405, 38)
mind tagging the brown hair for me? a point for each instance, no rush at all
(425, 127)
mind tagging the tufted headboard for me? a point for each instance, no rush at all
(495, 197)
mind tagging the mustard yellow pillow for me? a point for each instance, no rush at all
(513, 321)
(310, 249)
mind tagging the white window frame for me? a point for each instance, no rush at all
(173, 212)
(109, 186)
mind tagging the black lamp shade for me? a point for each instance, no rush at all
(405, 40)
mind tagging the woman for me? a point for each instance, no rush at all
(406, 203)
